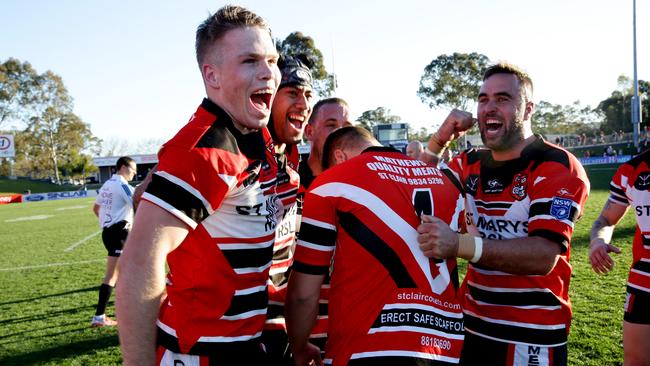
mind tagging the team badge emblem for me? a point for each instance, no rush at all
(519, 187)
(642, 181)
(561, 208)
(471, 184)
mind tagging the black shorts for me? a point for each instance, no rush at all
(637, 306)
(114, 237)
(277, 347)
(242, 353)
(478, 351)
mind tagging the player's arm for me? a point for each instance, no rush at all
(140, 188)
(301, 310)
(96, 208)
(531, 255)
(454, 126)
(155, 233)
(601, 236)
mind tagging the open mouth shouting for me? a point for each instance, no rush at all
(296, 121)
(261, 101)
(492, 127)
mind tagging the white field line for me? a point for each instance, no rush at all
(50, 265)
(70, 208)
(29, 218)
(82, 241)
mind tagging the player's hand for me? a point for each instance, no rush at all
(601, 262)
(455, 125)
(308, 356)
(436, 239)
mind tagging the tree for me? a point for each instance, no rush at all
(379, 115)
(617, 108)
(452, 81)
(297, 44)
(421, 135)
(565, 119)
(77, 165)
(52, 138)
(17, 91)
(41, 103)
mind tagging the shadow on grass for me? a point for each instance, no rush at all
(49, 314)
(24, 334)
(62, 352)
(94, 288)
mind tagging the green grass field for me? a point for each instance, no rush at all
(51, 268)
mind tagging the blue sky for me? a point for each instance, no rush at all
(131, 69)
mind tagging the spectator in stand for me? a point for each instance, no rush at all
(609, 151)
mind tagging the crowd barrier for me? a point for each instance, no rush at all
(50, 196)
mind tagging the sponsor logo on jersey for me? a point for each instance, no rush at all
(560, 208)
(471, 184)
(642, 181)
(493, 186)
(564, 192)
(501, 226)
(519, 187)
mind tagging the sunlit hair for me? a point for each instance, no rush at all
(525, 82)
(324, 102)
(344, 138)
(225, 19)
(123, 161)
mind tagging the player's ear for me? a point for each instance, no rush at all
(211, 76)
(309, 131)
(529, 110)
(340, 156)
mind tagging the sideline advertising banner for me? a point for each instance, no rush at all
(7, 149)
(37, 197)
(10, 198)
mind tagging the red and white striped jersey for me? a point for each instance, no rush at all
(541, 193)
(319, 331)
(220, 183)
(285, 237)
(631, 186)
(388, 303)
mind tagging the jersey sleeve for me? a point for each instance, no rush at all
(317, 236)
(619, 184)
(126, 191)
(189, 183)
(557, 200)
